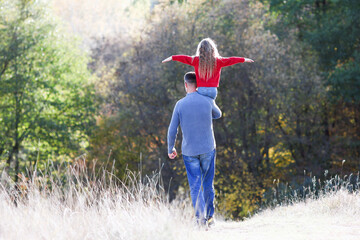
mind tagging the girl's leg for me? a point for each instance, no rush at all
(210, 92)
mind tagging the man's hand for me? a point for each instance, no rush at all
(249, 60)
(173, 154)
(167, 60)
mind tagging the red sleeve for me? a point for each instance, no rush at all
(184, 59)
(228, 61)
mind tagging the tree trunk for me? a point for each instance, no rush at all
(300, 142)
(17, 164)
(326, 164)
(267, 138)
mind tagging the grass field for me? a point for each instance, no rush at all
(81, 208)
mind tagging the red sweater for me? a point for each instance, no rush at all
(220, 63)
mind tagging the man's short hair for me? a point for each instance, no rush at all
(190, 77)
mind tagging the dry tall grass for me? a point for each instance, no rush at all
(76, 206)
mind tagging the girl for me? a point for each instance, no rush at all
(207, 64)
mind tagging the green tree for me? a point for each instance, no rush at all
(330, 29)
(46, 101)
(271, 126)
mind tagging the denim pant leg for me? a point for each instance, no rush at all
(208, 172)
(210, 92)
(192, 164)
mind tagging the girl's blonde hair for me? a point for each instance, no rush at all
(207, 53)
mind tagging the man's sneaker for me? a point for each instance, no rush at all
(210, 222)
(201, 223)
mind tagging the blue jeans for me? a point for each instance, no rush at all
(208, 91)
(200, 172)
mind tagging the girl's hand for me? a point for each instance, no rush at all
(167, 60)
(249, 60)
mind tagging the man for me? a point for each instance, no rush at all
(194, 113)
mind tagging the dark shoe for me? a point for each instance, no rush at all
(201, 222)
(210, 222)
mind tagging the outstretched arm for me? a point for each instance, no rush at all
(249, 60)
(184, 59)
(228, 61)
(180, 58)
(167, 59)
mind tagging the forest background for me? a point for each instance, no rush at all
(82, 82)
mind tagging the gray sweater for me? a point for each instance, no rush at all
(194, 113)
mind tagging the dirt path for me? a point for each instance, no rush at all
(335, 217)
